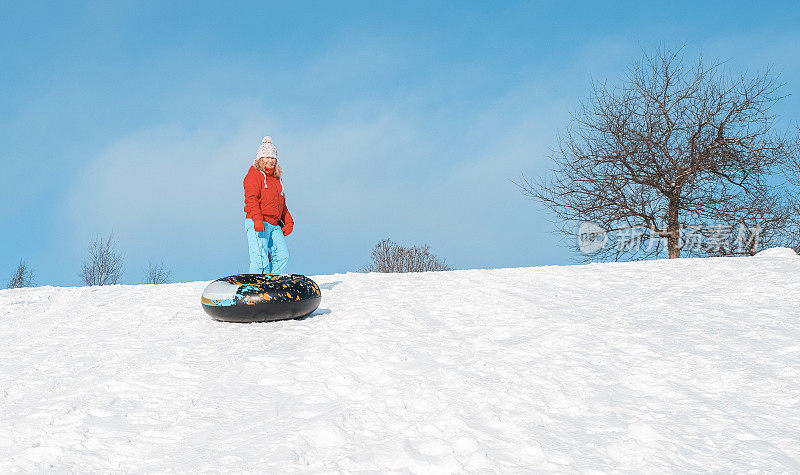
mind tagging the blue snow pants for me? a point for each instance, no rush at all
(270, 241)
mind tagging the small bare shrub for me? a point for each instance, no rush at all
(22, 276)
(157, 274)
(103, 265)
(388, 256)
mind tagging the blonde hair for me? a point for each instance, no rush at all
(259, 164)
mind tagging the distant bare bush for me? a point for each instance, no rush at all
(157, 274)
(388, 256)
(103, 265)
(22, 276)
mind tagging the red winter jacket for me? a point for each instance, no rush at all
(264, 200)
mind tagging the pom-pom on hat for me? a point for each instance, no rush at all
(266, 149)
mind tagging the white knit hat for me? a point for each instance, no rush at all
(266, 149)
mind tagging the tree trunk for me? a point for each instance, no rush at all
(673, 230)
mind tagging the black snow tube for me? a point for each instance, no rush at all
(246, 298)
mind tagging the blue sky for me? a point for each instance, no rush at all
(406, 120)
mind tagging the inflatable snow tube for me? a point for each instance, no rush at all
(246, 298)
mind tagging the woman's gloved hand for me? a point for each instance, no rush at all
(287, 230)
(258, 226)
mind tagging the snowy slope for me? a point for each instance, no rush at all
(661, 366)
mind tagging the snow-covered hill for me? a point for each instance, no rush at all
(687, 365)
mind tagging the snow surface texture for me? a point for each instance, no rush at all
(778, 252)
(664, 366)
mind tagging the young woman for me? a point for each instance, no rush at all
(267, 220)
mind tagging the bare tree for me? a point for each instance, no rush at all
(103, 265)
(157, 274)
(388, 256)
(673, 147)
(22, 276)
